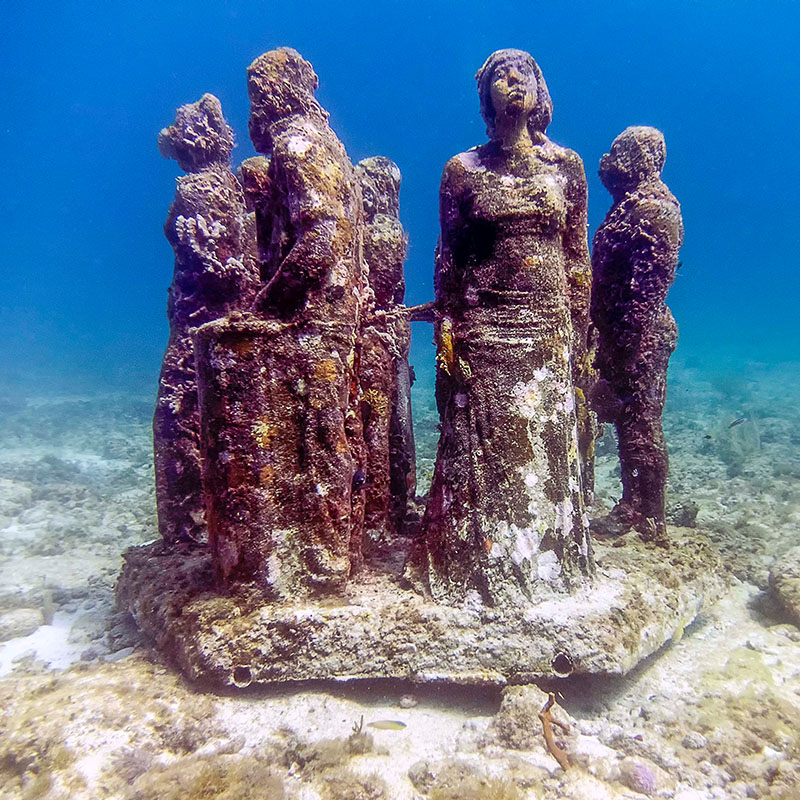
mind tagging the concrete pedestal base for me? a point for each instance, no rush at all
(640, 597)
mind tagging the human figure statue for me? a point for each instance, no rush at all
(390, 474)
(506, 510)
(215, 271)
(634, 258)
(283, 461)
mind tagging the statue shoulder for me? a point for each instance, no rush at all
(462, 165)
(660, 215)
(569, 162)
(457, 174)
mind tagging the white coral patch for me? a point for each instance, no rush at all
(564, 511)
(274, 571)
(447, 499)
(298, 145)
(309, 341)
(528, 398)
(498, 550)
(314, 200)
(470, 160)
(526, 544)
(547, 566)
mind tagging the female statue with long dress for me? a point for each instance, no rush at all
(506, 510)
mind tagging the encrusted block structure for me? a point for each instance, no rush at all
(634, 258)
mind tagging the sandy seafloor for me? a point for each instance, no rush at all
(87, 710)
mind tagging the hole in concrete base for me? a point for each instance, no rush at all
(562, 665)
(242, 677)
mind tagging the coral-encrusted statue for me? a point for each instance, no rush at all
(304, 407)
(506, 509)
(215, 271)
(634, 257)
(282, 438)
(390, 475)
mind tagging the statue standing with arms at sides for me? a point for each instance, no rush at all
(215, 272)
(506, 510)
(634, 258)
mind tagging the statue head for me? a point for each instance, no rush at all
(528, 70)
(281, 84)
(636, 155)
(199, 137)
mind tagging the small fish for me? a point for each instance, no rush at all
(678, 634)
(737, 421)
(387, 724)
(707, 436)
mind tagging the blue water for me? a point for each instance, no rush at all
(87, 85)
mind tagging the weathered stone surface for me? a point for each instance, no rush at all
(384, 375)
(517, 724)
(215, 271)
(636, 602)
(634, 257)
(282, 436)
(512, 278)
(784, 582)
(277, 468)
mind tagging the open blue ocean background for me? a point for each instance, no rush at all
(86, 86)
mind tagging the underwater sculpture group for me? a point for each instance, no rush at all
(284, 450)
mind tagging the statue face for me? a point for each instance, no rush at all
(636, 154)
(513, 89)
(615, 166)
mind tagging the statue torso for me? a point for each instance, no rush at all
(507, 232)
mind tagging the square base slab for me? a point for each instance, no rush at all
(640, 598)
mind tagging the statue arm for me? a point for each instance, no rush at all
(660, 228)
(452, 226)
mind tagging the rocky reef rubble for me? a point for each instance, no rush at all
(716, 717)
